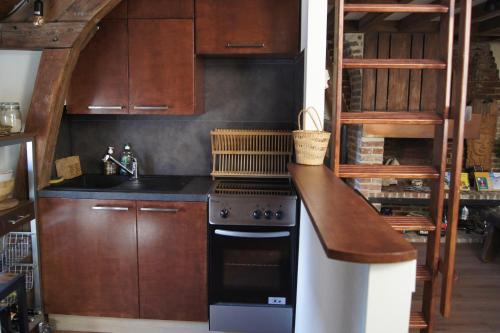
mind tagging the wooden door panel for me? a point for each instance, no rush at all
(119, 12)
(89, 257)
(247, 26)
(168, 9)
(161, 65)
(172, 248)
(100, 78)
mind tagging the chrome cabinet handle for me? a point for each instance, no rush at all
(109, 208)
(242, 234)
(151, 107)
(19, 219)
(104, 107)
(245, 45)
(162, 210)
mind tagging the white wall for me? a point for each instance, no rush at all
(17, 78)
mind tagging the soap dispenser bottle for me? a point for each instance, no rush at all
(126, 159)
(109, 167)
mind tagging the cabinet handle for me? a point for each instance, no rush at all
(109, 208)
(162, 210)
(151, 107)
(245, 45)
(19, 219)
(104, 107)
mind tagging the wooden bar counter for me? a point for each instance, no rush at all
(348, 228)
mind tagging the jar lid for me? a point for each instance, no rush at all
(11, 106)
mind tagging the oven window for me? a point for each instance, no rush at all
(250, 270)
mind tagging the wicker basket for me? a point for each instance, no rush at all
(310, 146)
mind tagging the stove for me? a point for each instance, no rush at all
(253, 237)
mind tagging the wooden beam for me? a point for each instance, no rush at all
(50, 35)
(54, 9)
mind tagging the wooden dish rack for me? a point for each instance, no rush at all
(251, 153)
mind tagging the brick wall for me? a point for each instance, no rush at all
(360, 149)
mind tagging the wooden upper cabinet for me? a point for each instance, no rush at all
(247, 26)
(172, 248)
(167, 9)
(89, 257)
(161, 67)
(99, 84)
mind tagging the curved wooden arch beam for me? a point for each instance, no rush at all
(54, 74)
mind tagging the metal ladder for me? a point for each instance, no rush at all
(428, 273)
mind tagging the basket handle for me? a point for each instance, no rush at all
(308, 111)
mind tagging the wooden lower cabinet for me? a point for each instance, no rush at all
(89, 257)
(119, 258)
(172, 247)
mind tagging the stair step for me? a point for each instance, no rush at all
(410, 223)
(417, 321)
(423, 273)
(394, 8)
(394, 63)
(401, 118)
(387, 171)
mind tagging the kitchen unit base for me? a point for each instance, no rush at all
(251, 319)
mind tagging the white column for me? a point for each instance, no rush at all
(314, 29)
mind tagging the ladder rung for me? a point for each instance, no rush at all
(423, 273)
(387, 171)
(410, 223)
(417, 321)
(394, 63)
(403, 118)
(394, 8)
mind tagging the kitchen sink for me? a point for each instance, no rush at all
(124, 183)
(92, 182)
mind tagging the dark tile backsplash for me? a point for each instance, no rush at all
(239, 93)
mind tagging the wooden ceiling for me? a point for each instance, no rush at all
(485, 21)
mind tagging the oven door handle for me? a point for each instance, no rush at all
(243, 234)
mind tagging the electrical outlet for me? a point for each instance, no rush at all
(276, 300)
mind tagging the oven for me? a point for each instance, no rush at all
(252, 262)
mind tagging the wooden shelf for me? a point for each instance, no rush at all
(417, 321)
(410, 223)
(350, 63)
(394, 8)
(22, 213)
(423, 273)
(13, 139)
(400, 118)
(387, 171)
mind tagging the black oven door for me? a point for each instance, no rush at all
(252, 265)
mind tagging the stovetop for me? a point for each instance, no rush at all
(253, 187)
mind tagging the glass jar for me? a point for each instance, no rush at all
(11, 116)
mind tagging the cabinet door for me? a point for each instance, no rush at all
(172, 245)
(247, 26)
(161, 65)
(171, 9)
(89, 257)
(99, 84)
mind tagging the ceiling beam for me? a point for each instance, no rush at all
(54, 35)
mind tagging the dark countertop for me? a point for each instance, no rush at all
(347, 226)
(160, 188)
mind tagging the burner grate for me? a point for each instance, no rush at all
(252, 189)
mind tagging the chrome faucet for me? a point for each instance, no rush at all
(135, 166)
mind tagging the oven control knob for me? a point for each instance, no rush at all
(256, 214)
(279, 214)
(224, 213)
(268, 214)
